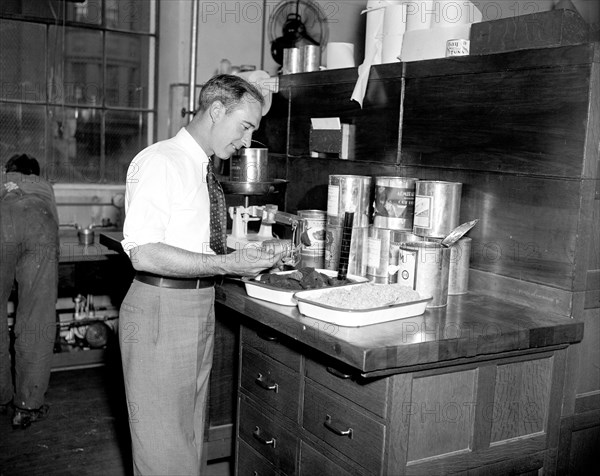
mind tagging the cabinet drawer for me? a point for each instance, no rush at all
(271, 383)
(269, 342)
(251, 463)
(351, 432)
(371, 395)
(312, 463)
(268, 438)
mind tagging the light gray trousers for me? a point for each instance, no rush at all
(166, 338)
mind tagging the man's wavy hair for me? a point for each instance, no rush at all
(228, 89)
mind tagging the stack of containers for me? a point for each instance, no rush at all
(426, 265)
(348, 193)
(393, 210)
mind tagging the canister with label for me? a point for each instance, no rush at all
(313, 255)
(425, 266)
(357, 264)
(348, 193)
(437, 208)
(394, 203)
(383, 253)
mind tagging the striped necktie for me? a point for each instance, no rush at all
(218, 219)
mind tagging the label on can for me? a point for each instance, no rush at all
(407, 267)
(459, 47)
(315, 228)
(394, 202)
(333, 200)
(423, 208)
(374, 253)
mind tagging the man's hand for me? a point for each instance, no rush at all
(251, 261)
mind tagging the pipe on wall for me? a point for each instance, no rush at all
(193, 54)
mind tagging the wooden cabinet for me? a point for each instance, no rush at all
(273, 411)
(319, 416)
(520, 131)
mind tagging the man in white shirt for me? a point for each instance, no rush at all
(166, 321)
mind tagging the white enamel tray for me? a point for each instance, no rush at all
(309, 305)
(285, 297)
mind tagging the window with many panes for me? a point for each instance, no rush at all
(77, 81)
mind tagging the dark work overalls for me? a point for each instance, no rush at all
(29, 250)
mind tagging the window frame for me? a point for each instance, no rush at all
(104, 108)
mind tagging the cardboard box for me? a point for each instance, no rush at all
(336, 141)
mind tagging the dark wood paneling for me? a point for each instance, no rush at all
(583, 458)
(521, 399)
(527, 228)
(441, 416)
(527, 122)
(527, 59)
(376, 123)
(273, 127)
(536, 30)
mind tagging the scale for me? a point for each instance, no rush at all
(268, 215)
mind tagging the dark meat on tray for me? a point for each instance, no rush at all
(303, 278)
(280, 281)
(312, 279)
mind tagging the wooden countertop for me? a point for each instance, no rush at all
(470, 327)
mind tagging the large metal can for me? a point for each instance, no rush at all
(348, 193)
(394, 203)
(357, 264)
(383, 253)
(437, 208)
(425, 267)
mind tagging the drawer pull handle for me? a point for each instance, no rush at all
(265, 441)
(338, 374)
(269, 338)
(335, 430)
(262, 382)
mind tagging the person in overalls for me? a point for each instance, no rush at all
(29, 250)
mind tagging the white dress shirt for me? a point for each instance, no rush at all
(166, 197)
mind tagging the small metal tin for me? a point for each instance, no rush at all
(311, 58)
(250, 165)
(86, 236)
(292, 61)
(314, 255)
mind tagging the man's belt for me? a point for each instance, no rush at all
(174, 283)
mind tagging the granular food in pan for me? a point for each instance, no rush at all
(368, 296)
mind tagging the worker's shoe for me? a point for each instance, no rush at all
(23, 418)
